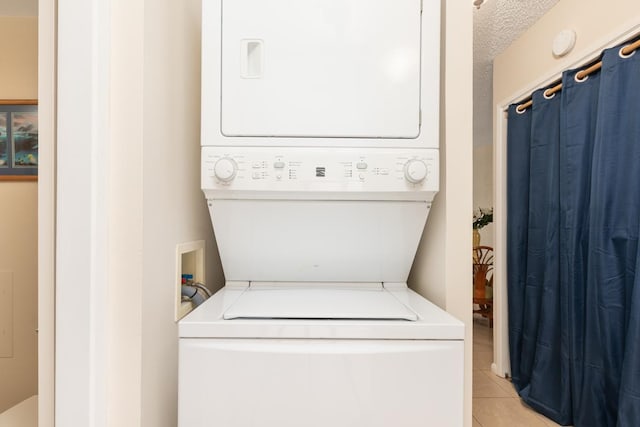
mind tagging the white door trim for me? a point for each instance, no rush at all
(83, 58)
(46, 209)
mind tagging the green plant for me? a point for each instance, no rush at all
(482, 217)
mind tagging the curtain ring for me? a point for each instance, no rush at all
(548, 96)
(520, 111)
(628, 55)
(580, 80)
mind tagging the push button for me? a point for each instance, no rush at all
(278, 165)
(361, 165)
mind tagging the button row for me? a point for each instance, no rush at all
(276, 165)
(281, 165)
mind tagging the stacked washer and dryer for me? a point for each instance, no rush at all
(319, 165)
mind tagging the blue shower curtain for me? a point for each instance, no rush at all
(573, 261)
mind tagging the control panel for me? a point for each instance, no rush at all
(229, 171)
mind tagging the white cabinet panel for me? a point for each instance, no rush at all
(320, 383)
(317, 241)
(321, 68)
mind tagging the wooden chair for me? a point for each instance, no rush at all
(483, 278)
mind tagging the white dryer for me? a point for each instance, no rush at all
(319, 166)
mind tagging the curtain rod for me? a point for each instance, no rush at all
(581, 75)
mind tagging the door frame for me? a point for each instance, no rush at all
(46, 210)
(73, 108)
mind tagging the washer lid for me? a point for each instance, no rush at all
(433, 323)
(319, 301)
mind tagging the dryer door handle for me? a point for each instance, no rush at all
(252, 59)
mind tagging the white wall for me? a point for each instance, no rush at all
(19, 220)
(442, 269)
(126, 212)
(155, 200)
(122, 211)
(527, 65)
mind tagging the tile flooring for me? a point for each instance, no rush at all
(495, 401)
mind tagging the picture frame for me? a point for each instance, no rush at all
(19, 140)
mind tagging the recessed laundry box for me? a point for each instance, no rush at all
(319, 165)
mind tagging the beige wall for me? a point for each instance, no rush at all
(483, 186)
(19, 59)
(529, 59)
(18, 219)
(442, 269)
(24, 414)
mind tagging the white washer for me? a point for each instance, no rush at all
(341, 369)
(319, 166)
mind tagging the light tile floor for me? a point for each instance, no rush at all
(495, 401)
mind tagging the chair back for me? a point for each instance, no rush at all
(482, 270)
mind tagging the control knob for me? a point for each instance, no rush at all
(225, 169)
(415, 171)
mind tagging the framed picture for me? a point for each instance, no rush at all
(18, 139)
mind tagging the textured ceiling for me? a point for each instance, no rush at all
(496, 24)
(18, 7)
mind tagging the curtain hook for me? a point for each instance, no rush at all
(625, 56)
(579, 79)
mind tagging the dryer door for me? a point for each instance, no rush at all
(321, 68)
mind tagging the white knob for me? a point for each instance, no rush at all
(415, 171)
(225, 169)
